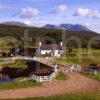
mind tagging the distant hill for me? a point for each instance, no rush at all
(76, 27)
(49, 26)
(55, 34)
(15, 23)
(69, 27)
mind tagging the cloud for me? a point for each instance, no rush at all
(60, 9)
(87, 13)
(28, 12)
(93, 26)
(27, 22)
(3, 7)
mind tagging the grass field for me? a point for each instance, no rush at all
(72, 60)
(16, 85)
(86, 96)
(6, 43)
(19, 64)
(15, 64)
(97, 77)
(80, 57)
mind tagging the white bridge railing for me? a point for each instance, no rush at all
(13, 60)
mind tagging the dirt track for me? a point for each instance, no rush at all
(75, 83)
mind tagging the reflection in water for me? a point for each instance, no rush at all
(4, 78)
(10, 73)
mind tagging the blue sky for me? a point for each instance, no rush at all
(41, 12)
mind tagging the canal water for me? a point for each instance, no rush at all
(8, 74)
(5, 79)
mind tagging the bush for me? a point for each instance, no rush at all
(61, 76)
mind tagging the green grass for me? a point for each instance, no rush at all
(19, 64)
(7, 42)
(16, 64)
(72, 60)
(16, 85)
(61, 76)
(88, 96)
(83, 53)
(97, 77)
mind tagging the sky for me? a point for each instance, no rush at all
(41, 12)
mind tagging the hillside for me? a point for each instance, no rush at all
(69, 27)
(14, 23)
(76, 27)
(18, 32)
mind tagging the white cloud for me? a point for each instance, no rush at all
(29, 12)
(87, 24)
(3, 7)
(60, 9)
(93, 26)
(87, 13)
(27, 22)
(96, 14)
(83, 12)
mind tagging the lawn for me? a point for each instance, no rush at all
(16, 85)
(83, 53)
(61, 76)
(73, 60)
(19, 64)
(15, 64)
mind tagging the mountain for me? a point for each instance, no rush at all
(49, 26)
(46, 35)
(76, 27)
(69, 27)
(15, 23)
(34, 33)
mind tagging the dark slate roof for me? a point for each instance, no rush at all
(51, 47)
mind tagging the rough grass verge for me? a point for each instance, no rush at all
(16, 85)
(61, 76)
(86, 96)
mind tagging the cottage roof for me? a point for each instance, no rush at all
(51, 47)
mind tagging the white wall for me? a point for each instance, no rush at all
(45, 51)
(56, 52)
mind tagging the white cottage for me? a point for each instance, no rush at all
(51, 50)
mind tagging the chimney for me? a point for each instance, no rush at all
(61, 43)
(40, 44)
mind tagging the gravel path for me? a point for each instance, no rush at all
(75, 83)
